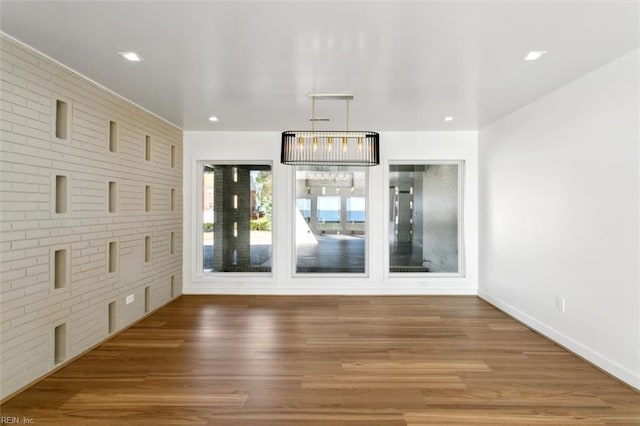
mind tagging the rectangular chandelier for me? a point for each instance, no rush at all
(330, 147)
(341, 148)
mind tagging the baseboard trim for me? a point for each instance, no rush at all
(599, 361)
(328, 288)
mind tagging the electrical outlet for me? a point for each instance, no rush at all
(130, 299)
(560, 304)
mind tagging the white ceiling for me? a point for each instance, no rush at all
(252, 63)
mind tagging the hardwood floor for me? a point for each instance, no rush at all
(236, 360)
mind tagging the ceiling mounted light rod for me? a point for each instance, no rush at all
(330, 147)
(313, 114)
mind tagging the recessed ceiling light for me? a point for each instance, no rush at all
(448, 118)
(213, 118)
(534, 55)
(130, 56)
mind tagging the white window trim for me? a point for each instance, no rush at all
(199, 240)
(423, 276)
(330, 275)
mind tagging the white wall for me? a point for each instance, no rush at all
(559, 216)
(265, 146)
(31, 231)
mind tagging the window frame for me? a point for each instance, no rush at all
(461, 220)
(200, 273)
(367, 251)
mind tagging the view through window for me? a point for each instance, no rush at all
(236, 218)
(330, 218)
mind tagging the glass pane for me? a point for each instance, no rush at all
(304, 206)
(355, 209)
(330, 219)
(329, 209)
(423, 215)
(236, 217)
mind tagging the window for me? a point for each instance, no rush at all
(355, 209)
(330, 231)
(329, 211)
(304, 207)
(424, 218)
(236, 210)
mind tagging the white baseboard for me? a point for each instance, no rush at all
(600, 361)
(319, 291)
(330, 287)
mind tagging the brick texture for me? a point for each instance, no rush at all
(31, 156)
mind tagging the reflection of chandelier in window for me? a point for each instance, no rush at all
(330, 176)
(332, 147)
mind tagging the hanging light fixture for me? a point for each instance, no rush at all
(330, 147)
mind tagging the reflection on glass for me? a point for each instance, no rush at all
(330, 214)
(329, 209)
(355, 209)
(423, 218)
(304, 206)
(236, 217)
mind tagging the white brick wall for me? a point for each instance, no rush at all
(30, 158)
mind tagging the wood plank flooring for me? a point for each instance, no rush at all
(388, 361)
